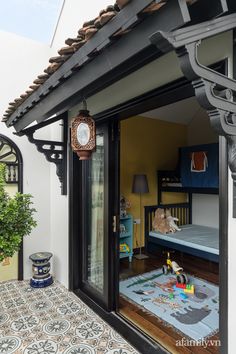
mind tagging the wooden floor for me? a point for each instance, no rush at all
(152, 325)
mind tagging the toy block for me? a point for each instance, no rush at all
(181, 286)
(183, 296)
(189, 289)
(171, 296)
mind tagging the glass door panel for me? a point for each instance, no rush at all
(98, 207)
(95, 217)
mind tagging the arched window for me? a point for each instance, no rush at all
(11, 156)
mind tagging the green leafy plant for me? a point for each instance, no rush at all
(16, 218)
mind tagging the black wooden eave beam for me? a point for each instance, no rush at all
(167, 41)
(36, 127)
(66, 93)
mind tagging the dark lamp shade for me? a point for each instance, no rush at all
(140, 184)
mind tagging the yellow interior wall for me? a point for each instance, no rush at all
(146, 146)
(9, 267)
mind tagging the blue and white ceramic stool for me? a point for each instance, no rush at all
(41, 270)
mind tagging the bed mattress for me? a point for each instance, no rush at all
(195, 236)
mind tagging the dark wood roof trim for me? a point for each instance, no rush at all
(123, 19)
(188, 35)
(98, 72)
(63, 66)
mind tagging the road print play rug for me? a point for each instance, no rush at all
(197, 316)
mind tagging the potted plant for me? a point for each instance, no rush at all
(16, 218)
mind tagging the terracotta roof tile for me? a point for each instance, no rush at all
(66, 50)
(39, 81)
(70, 41)
(107, 16)
(79, 44)
(43, 76)
(17, 100)
(9, 110)
(52, 68)
(90, 32)
(59, 59)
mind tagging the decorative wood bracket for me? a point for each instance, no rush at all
(214, 91)
(54, 151)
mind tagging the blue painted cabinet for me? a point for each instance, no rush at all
(126, 237)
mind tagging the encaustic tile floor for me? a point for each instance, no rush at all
(52, 320)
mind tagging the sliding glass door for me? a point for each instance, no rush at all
(98, 211)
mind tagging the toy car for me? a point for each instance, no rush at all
(174, 268)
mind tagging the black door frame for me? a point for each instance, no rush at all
(100, 298)
(105, 300)
(78, 173)
(170, 93)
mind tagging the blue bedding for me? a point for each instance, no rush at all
(200, 237)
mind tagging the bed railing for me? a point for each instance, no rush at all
(179, 210)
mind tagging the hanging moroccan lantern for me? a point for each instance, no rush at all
(83, 135)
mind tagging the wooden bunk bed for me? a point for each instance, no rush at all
(197, 240)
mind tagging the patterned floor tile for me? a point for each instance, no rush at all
(52, 321)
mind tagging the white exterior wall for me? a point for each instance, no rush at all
(20, 63)
(58, 221)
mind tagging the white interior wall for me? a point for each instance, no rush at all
(205, 210)
(20, 63)
(205, 206)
